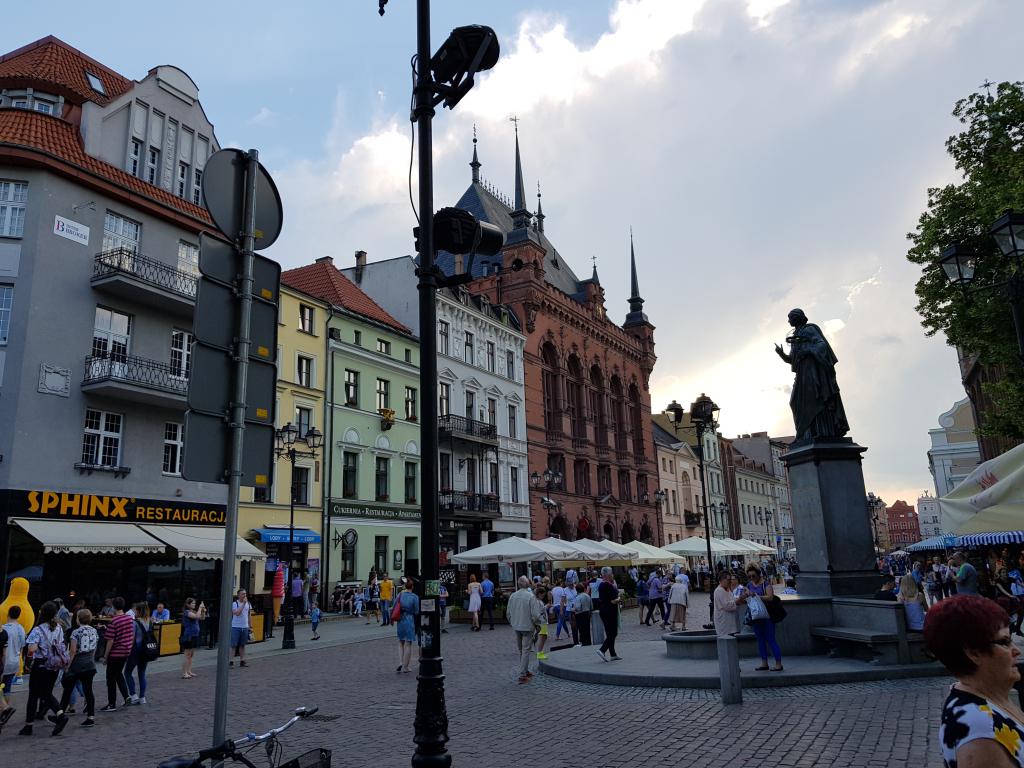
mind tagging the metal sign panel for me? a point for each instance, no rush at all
(216, 318)
(213, 372)
(224, 196)
(220, 261)
(207, 456)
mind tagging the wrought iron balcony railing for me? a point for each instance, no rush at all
(461, 425)
(135, 370)
(451, 501)
(124, 261)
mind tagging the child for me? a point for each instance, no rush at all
(542, 634)
(314, 620)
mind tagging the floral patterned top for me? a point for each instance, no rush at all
(966, 717)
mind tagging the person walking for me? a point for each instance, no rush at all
(12, 643)
(764, 628)
(474, 592)
(526, 615)
(372, 599)
(541, 596)
(487, 598)
(241, 623)
(137, 661)
(314, 620)
(409, 609)
(559, 606)
(387, 594)
(296, 594)
(120, 637)
(678, 600)
(190, 618)
(641, 597)
(82, 668)
(655, 600)
(609, 612)
(46, 646)
(583, 608)
(725, 606)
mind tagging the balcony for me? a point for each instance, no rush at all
(639, 459)
(467, 429)
(691, 520)
(554, 437)
(454, 502)
(132, 276)
(136, 379)
(580, 443)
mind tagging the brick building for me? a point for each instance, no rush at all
(588, 405)
(903, 524)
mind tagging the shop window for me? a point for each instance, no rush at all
(173, 447)
(380, 554)
(101, 443)
(300, 485)
(411, 485)
(349, 472)
(381, 477)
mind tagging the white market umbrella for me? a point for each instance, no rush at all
(513, 550)
(756, 547)
(648, 554)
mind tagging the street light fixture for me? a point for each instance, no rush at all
(551, 479)
(284, 446)
(704, 415)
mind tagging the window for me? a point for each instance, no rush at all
(383, 394)
(410, 403)
(45, 107)
(152, 164)
(111, 334)
(510, 364)
(6, 302)
(445, 470)
(470, 404)
(380, 554)
(304, 371)
(181, 354)
(408, 355)
(384, 346)
(468, 348)
(188, 258)
(491, 362)
(410, 482)
(263, 494)
(442, 342)
(120, 232)
(444, 399)
(381, 476)
(495, 482)
(513, 483)
(349, 469)
(101, 443)
(492, 411)
(604, 480)
(183, 180)
(303, 420)
(625, 490)
(675, 505)
(172, 448)
(348, 560)
(13, 198)
(351, 388)
(470, 475)
(306, 318)
(20, 103)
(197, 187)
(134, 157)
(512, 426)
(300, 485)
(95, 83)
(357, 337)
(581, 476)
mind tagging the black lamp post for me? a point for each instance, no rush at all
(285, 439)
(704, 415)
(960, 263)
(551, 479)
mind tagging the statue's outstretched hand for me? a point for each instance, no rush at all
(779, 351)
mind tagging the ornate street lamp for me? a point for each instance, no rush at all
(551, 479)
(285, 439)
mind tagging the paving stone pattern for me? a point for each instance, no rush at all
(496, 722)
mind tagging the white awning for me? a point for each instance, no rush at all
(201, 542)
(75, 536)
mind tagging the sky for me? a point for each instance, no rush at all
(767, 154)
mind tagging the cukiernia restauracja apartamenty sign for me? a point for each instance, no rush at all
(349, 508)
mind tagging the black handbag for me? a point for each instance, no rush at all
(776, 611)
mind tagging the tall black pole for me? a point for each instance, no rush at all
(288, 638)
(707, 526)
(431, 721)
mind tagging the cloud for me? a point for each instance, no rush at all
(263, 115)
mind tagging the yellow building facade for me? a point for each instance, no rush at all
(263, 515)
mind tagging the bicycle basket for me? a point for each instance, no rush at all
(315, 758)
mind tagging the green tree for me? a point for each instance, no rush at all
(989, 153)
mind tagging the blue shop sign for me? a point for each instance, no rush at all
(281, 535)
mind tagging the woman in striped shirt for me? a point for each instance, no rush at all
(119, 638)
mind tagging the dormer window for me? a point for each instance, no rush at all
(43, 106)
(95, 83)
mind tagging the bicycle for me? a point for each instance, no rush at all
(235, 750)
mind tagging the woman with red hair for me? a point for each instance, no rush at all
(980, 728)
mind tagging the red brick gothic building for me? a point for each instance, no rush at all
(588, 405)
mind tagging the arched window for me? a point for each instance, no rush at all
(609, 530)
(637, 422)
(598, 407)
(559, 527)
(574, 398)
(619, 415)
(552, 393)
(628, 534)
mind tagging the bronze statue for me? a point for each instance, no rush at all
(817, 407)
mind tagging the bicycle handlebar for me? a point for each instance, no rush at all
(301, 713)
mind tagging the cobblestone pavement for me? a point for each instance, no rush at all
(496, 722)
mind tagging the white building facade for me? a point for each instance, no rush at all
(954, 451)
(929, 517)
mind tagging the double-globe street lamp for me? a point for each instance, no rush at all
(704, 417)
(551, 478)
(285, 439)
(960, 263)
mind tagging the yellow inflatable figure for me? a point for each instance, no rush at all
(19, 596)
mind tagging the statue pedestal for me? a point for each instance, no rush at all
(831, 523)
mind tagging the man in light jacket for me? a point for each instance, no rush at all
(525, 614)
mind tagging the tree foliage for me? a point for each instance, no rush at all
(989, 153)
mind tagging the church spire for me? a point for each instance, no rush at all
(520, 214)
(540, 211)
(636, 304)
(475, 164)
(593, 276)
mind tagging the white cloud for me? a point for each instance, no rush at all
(263, 115)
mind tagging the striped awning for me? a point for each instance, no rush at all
(998, 537)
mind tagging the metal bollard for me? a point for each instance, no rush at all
(729, 670)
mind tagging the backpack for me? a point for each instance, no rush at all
(146, 646)
(58, 658)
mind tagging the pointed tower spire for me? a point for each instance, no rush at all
(540, 211)
(520, 214)
(475, 164)
(593, 276)
(636, 304)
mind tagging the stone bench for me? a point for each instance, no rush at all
(875, 630)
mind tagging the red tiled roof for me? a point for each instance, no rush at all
(323, 280)
(51, 60)
(56, 137)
